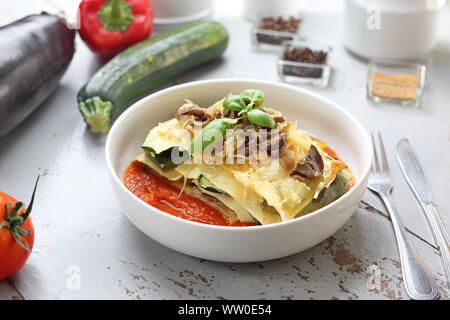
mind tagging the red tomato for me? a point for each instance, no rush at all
(12, 254)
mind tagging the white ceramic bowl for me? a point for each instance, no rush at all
(317, 115)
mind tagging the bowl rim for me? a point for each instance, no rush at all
(141, 102)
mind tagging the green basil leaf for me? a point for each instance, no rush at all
(261, 118)
(253, 97)
(213, 131)
(234, 102)
(247, 109)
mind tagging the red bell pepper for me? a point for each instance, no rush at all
(110, 26)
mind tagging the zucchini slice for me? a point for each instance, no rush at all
(204, 183)
(164, 159)
(336, 189)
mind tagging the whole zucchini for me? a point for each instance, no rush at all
(34, 54)
(146, 65)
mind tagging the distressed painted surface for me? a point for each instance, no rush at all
(7, 292)
(86, 248)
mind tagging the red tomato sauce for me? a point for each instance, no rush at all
(159, 193)
(333, 154)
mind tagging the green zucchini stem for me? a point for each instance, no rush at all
(96, 113)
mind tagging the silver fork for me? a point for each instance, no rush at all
(418, 282)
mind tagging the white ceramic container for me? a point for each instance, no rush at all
(174, 12)
(391, 29)
(315, 114)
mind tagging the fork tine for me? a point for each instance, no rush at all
(376, 164)
(383, 154)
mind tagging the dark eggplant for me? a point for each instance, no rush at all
(35, 51)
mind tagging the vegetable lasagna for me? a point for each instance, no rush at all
(243, 160)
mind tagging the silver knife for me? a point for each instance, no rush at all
(414, 176)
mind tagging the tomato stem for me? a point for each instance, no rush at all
(4, 224)
(25, 215)
(13, 221)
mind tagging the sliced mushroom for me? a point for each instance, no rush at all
(191, 109)
(311, 166)
(230, 114)
(209, 118)
(277, 142)
(276, 115)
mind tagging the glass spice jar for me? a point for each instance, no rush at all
(305, 62)
(396, 82)
(269, 32)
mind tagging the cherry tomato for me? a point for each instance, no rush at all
(16, 234)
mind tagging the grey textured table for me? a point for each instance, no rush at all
(86, 248)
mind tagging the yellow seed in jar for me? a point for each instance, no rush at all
(394, 85)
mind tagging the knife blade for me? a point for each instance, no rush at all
(413, 173)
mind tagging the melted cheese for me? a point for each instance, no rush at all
(267, 192)
(245, 197)
(170, 174)
(230, 209)
(166, 135)
(239, 210)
